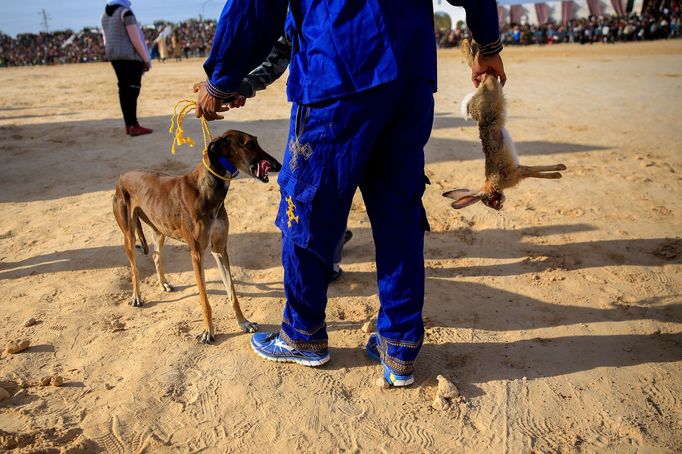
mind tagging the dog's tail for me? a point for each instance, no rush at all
(121, 205)
(140, 234)
(124, 216)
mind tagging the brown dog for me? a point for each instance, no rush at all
(190, 208)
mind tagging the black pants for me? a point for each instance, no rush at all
(129, 74)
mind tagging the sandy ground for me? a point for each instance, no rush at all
(558, 318)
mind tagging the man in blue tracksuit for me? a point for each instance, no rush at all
(362, 77)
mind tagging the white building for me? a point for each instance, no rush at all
(532, 11)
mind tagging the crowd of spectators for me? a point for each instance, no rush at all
(191, 38)
(51, 48)
(597, 29)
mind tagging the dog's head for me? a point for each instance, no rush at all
(243, 152)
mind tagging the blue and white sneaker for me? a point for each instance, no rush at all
(271, 347)
(391, 377)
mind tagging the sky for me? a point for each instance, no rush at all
(24, 16)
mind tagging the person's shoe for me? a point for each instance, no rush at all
(271, 347)
(372, 348)
(347, 236)
(336, 274)
(137, 130)
(391, 377)
(396, 380)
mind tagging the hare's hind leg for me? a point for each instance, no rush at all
(541, 171)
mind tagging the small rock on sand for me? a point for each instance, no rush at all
(446, 388)
(45, 381)
(17, 346)
(30, 322)
(381, 383)
(57, 380)
(369, 327)
(440, 403)
(4, 395)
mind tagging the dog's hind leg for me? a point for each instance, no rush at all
(124, 218)
(159, 240)
(207, 336)
(130, 252)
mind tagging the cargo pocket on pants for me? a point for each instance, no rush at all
(295, 208)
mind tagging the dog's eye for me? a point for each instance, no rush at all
(251, 145)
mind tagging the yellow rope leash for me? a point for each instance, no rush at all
(186, 106)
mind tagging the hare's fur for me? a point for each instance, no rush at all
(502, 169)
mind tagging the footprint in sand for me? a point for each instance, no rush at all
(572, 212)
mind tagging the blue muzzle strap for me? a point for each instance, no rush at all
(228, 166)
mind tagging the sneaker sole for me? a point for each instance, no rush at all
(401, 383)
(292, 359)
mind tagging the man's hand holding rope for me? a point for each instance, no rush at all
(208, 106)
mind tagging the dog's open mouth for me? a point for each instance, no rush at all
(262, 170)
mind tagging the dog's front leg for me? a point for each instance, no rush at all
(207, 336)
(223, 263)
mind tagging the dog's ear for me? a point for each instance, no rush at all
(216, 145)
(462, 197)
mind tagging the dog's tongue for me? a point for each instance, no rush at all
(263, 168)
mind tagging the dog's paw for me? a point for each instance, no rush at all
(249, 327)
(167, 287)
(206, 338)
(136, 302)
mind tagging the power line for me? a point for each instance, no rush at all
(45, 23)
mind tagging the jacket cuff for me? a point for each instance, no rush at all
(216, 92)
(490, 49)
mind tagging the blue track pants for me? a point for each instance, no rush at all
(373, 140)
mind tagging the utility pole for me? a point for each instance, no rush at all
(45, 22)
(203, 8)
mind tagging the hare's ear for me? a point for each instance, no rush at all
(463, 198)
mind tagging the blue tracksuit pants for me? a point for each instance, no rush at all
(374, 140)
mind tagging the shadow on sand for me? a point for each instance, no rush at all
(45, 160)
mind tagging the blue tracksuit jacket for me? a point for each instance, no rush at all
(340, 48)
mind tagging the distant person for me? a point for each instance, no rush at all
(162, 41)
(177, 46)
(125, 47)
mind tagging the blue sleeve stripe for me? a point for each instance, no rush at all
(215, 92)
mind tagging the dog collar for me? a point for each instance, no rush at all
(228, 166)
